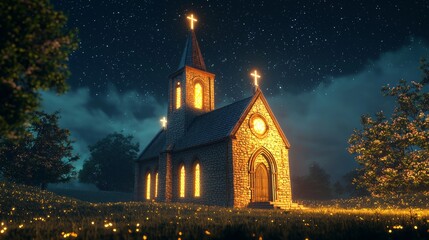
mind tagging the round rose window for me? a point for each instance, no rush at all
(258, 125)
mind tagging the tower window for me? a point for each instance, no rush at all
(198, 96)
(197, 184)
(178, 95)
(182, 181)
(148, 186)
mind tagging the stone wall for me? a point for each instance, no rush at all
(142, 169)
(214, 175)
(206, 79)
(247, 147)
(227, 168)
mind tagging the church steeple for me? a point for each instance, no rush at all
(192, 56)
(191, 89)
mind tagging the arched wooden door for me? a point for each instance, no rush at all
(261, 187)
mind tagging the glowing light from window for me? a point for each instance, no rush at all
(198, 96)
(178, 96)
(182, 181)
(148, 186)
(259, 125)
(156, 185)
(197, 180)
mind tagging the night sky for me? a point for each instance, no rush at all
(322, 63)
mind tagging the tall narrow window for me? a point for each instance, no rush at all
(182, 181)
(148, 186)
(156, 184)
(198, 95)
(197, 185)
(178, 95)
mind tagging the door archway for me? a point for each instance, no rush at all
(261, 187)
(262, 176)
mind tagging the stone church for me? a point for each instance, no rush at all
(233, 156)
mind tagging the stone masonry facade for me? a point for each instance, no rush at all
(226, 167)
(271, 150)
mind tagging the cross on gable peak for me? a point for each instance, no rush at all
(163, 121)
(255, 75)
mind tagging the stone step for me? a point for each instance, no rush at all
(297, 206)
(261, 205)
(275, 205)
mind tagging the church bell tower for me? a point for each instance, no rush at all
(191, 89)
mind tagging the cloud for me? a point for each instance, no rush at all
(90, 117)
(319, 123)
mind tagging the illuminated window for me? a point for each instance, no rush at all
(198, 96)
(156, 185)
(178, 95)
(148, 186)
(258, 125)
(182, 181)
(197, 185)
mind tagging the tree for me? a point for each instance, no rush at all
(315, 186)
(339, 188)
(351, 186)
(34, 50)
(111, 164)
(44, 156)
(394, 151)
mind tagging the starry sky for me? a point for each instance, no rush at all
(322, 63)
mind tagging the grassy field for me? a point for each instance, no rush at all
(28, 213)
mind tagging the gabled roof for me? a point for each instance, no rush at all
(154, 147)
(258, 94)
(192, 56)
(213, 126)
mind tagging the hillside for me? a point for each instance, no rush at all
(28, 212)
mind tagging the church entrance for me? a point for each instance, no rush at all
(261, 184)
(262, 177)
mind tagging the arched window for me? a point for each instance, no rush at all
(148, 186)
(156, 184)
(182, 181)
(178, 95)
(198, 95)
(197, 184)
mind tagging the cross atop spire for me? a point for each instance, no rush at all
(256, 76)
(192, 20)
(192, 56)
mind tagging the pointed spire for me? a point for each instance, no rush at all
(192, 56)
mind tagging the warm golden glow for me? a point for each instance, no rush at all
(156, 185)
(182, 181)
(192, 20)
(148, 186)
(163, 122)
(259, 125)
(178, 96)
(197, 180)
(256, 76)
(198, 96)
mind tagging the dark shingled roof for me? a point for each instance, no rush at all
(155, 146)
(192, 56)
(214, 125)
(207, 128)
